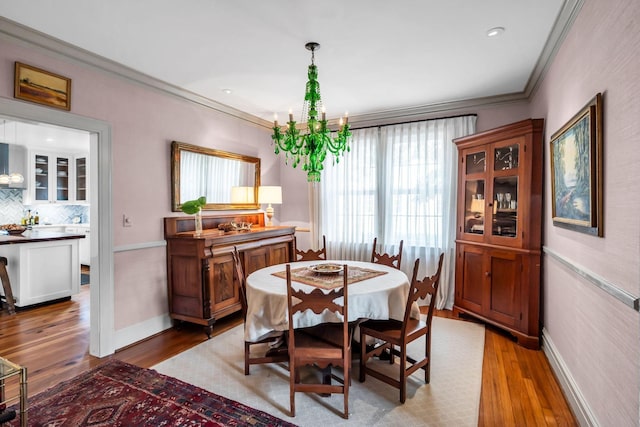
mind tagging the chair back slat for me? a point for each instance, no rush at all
(311, 255)
(420, 289)
(240, 281)
(317, 301)
(386, 259)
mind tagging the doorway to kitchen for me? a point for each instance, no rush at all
(101, 251)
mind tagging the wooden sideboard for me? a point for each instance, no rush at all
(200, 273)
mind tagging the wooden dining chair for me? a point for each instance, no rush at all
(325, 346)
(272, 355)
(311, 255)
(396, 335)
(386, 259)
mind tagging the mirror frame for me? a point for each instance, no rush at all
(178, 147)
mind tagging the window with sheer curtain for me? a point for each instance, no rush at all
(398, 182)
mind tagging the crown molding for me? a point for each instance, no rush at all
(26, 36)
(564, 22)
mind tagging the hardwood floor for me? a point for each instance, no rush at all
(52, 341)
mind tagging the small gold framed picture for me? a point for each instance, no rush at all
(37, 85)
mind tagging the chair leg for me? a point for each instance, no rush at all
(403, 373)
(363, 358)
(345, 390)
(6, 285)
(427, 353)
(293, 374)
(247, 355)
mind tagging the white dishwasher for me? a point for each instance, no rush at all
(84, 245)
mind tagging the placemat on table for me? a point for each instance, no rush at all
(329, 281)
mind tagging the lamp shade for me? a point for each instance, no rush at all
(477, 205)
(241, 195)
(270, 195)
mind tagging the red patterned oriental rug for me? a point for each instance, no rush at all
(117, 393)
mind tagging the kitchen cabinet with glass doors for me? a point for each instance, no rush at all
(498, 238)
(57, 178)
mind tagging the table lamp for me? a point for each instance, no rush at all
(268, 195)
(477, 207)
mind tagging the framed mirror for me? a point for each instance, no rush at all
(228, 180)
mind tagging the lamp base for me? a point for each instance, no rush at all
(269, 215)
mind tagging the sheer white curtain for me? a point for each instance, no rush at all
(211, 177)
(397, 183)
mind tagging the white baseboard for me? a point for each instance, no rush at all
(576, 400)
(141, 331)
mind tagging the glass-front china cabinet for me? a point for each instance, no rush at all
(498, 239)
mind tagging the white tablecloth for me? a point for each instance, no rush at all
(381, 297)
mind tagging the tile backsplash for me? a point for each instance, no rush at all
(12, 210)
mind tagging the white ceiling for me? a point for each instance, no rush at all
(43, 136)
(376, 56)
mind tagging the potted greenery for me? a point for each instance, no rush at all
(194, 207)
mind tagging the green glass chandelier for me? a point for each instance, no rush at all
(311, 148)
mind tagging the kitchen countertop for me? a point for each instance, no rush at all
(45, 226)
(31, 236)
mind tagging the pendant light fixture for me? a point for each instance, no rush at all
(15, 177)
(311, 147)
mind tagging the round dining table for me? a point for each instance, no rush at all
(377, 292)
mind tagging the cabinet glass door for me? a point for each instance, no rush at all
(476, 162)
(506, 157)
(62, 179)
(41, 181)
(505, 206)
(474, 201)
(473, 175)
(81, 179)
(505, 190)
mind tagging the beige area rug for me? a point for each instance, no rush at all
(451, 399)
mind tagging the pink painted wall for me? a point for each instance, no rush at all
(143, 124)
(598, 337)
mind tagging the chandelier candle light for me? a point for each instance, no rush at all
(311, 147)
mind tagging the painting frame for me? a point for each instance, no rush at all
(576, 171)
(42, 87)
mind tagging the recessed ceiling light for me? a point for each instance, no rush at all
(227, 91)
(495, 32)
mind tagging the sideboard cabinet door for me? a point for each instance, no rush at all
(255, 259)
(222, 285)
